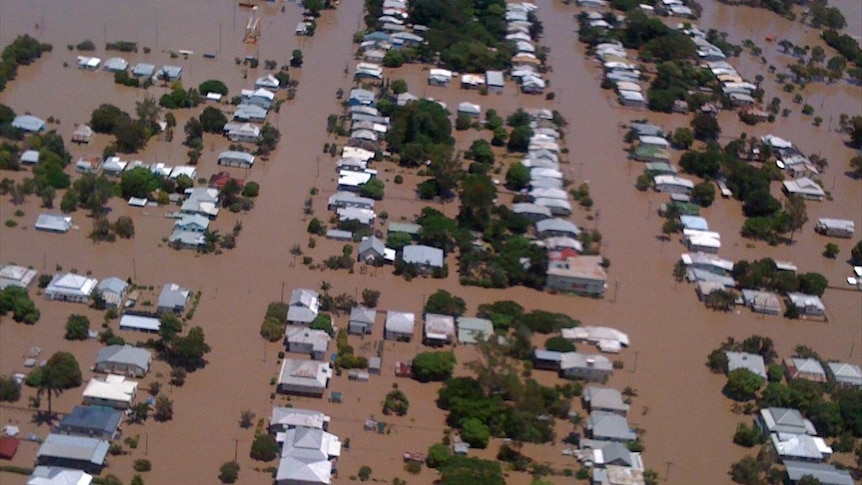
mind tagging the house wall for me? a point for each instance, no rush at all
(672, 189)
(358, 328)
(88, 432)
(300, 390)
(702, 249)
(400, 337)
(93, 401)
(571, 284)
(85, 465)
(120, 369)
(53, 296)
(587, 374)
(233, 162)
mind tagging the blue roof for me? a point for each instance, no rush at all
(99, 419)
(378, 36)
(28, 123)
(694, 222)
(551, 355)
(143, 70)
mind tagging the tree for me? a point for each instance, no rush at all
(812, 283)
(683, 138)
(61, 372)
(48, 194)
(433, 366)
(742, 385)
(130, 136)
(137, 480)
(269, 138)
(14, 299)
(164, 409)
(139, 412)
(370, 298)
(272, 329)
(461, 470)
(148, 112)
(296, 58)
(212, 86)
(438, 455)
(444, 303)
(138, 182)
(373, 189)
(124, 227)
(797, 214)
(246, 418)
(517, 176)
(477, 196)
(480, 151)
(519, 139)
(264, 448)
(746, 471)
(831, 251)
(188, 351)
(704, 194)
(856, 254)
(251, 189)
(228, 472)
(559, 344)
(398, 86)
(169, 327)
(396, 402)
(760, 203)
(106, 118)
(705, 127)
(747, 436)
(364, 473)
(77, 327)
(322, 322)
(475, 433)
(10, 390)
(212, 120)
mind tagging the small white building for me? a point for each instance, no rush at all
(115, 391)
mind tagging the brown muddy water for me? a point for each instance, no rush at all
(688, 423)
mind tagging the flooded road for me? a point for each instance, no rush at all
(688, 423)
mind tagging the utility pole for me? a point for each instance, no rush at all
(235, 448)
(282, 290)
(667, 470)
(134, 270)
(146, 443)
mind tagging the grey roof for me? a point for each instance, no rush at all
(405, 227)
(785, 420)
(143, 70)
(528, 208)
(99, 419)
(363, 314)
(549, 355)
(53, 222)
(115, 64)
(494, 78)
(304, 306)
(28, 123)
(744, 360)
(290, 417)
(187, 238)
(174, 72)
(247, 112)
(826, 474)
(74, 448)
(470, 328)
(173, 296)
(844, 373)
(236, 155)
(609, 426)
(557, 225)
(371, 244)
(30, 156)
(807, 366)
(616, 451)
(361, 95)
(400, 322)
(647, 129)
(125, 354)
(112, 285)
(423, 255)
(605, 398)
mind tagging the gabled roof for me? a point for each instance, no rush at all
(289, 417)
(112, 285)
(173, 296)
(363, 314)
(28, 123)
(805, 366)
(96, 418)
(605, 398)
(423, 255)
(557, 225)
(372, 244)
(400, 322)
(54, 475)
(77, 448)
(125, 354)
(53, 222)
(70, 283)
(844, 373)
(784, 420)
(609, 426)
(824, 473)
(744, 360)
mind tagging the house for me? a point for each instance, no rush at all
(70, 287)
(845, 374)
(579, 274)
(588, 367)
(438, 329)
(606, 399)
(219, 180)
(494, 81)
(647, 153)
(194, 223)
(173, 73)
(654, 141)
(807, 305)
(304, 306)
(115, 64)
(173, 298)
(696, 223)
(405, 227)
(804, 187)
(79, 452)
(548, 193)
(143, 70)
(615, 453)
(809, 369)
(399, 326)
(533, 212)
(558, 207)
(701, 241)
(825, 474)
(421, 255)
(308, 457)
(361, 320)
(55, 475)
(88, 164)
(285, 418)
(367, 70)
(30, 157)
(113, 166)
(835, 227)
(364, 217)
(547, 359)
(707, 262)
(244, 132)
(267, 81)
(439, 77)
(140, 323)
(233, 158)
(11, 275)
(374, 365)
(473, 330)
(672, 184)
(53, 223)
(303, 340)
(801, 447)
(360, 97)
(186, 239)
(744, 360)
(349, 199)
(28, 123)
(203, 201)
(607, 339)
(783, 420)
(304, 377)
(260, 97)
(82, 134)
(374, 55)
(113, 291)
(602, 425)
(95, 422)
(123, 360)
(617, 475)
(631, 99)
(115, 391)
(352, 181)
(249, 112)
(469, 109)
(371, 251)
(472, 81)
(761, 301)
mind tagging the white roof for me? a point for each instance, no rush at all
(53, 475)
(113, 388)
(71, 284)
(775, 141)
(356, 152)
(673, 180)
(352, 178)
(400, 322)
(598, 335)
(139, 322)
(439, 326)
(469, 108)
(11, 275)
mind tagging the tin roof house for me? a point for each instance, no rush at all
(78, 452)
(70, 287)
(304, 306)
(399, 326)
(19, 276)
(361, 320)
(123, 360)
(304, 377)
(438, 329)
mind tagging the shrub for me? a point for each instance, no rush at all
(264, 448)
(143, 465)
(364, 473)
(228, 472)
(433, 366)
(10, 390)
(438, 455)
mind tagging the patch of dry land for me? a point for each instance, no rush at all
(684, 425)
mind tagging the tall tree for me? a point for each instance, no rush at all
(60, 373)
(148, 111)
(797, 214)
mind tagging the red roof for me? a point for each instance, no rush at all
(218, 180)
(562, 254)
(8, 447)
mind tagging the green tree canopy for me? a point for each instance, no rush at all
(742, 385)
(212, 120)
(213, 86)
(77, 327)
(433, 366)
(444, 303)
(264, 448)
(188, 351)
(475, 433)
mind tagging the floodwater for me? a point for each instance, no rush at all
(688, 423)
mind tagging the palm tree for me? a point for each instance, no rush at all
(164, 77)
(50, 384)
(629, 392)
(325, 286)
